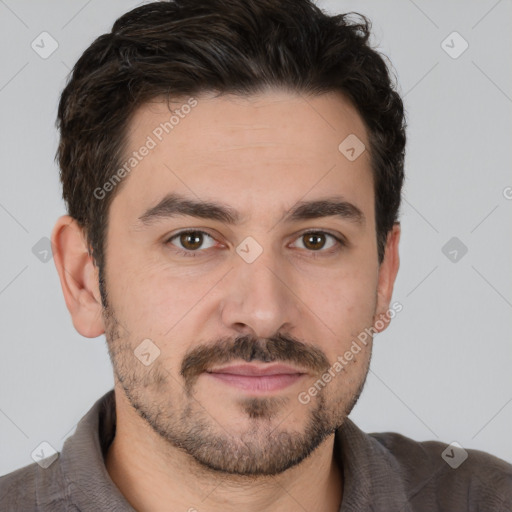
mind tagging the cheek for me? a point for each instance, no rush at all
(346, 305)
(137, 294)
(344, 298)
(158, 301)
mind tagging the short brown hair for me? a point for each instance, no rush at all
(185, 47)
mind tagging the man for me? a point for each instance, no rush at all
(232, 171)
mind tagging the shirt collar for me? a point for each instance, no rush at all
(83, 461)
(371, 476)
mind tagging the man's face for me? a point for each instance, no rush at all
(220, 302)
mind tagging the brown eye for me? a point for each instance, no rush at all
(191, 241)
(319, 242)
(314, 241)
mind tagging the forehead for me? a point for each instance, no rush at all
(226, 122)
(262, 151)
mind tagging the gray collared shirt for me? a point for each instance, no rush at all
(382, 472)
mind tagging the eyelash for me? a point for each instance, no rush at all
(314, 254)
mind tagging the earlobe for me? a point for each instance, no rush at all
(78, 277)
(387, 274)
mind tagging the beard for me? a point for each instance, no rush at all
(263, 446)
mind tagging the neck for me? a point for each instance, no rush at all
(153, 475)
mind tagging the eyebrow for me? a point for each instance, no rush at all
(176, 205)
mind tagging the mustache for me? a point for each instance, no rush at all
(249, 348)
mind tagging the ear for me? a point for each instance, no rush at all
(78, 277)
(387, 275)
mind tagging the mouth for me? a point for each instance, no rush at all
(257, 378)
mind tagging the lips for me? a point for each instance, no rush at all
(257, 379)
(257, 371)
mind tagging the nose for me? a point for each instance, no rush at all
(259, 299)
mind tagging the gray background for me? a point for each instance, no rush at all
(440, 371)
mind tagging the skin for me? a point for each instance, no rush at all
(260, 155)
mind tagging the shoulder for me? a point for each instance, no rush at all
(18, 489)
(448, 476)
(33, 488)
